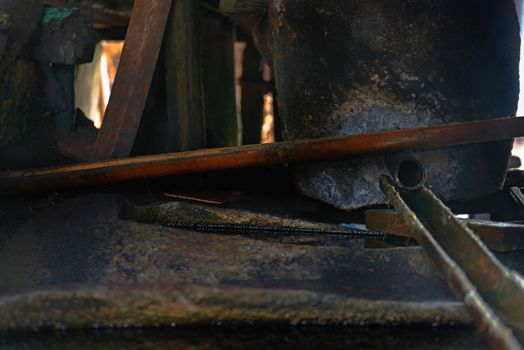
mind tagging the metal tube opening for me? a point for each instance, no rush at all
(411, 174)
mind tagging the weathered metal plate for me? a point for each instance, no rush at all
(355, 67)
(79, 264)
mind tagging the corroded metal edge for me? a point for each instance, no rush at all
(122, 306)
(481, 302)
(208, 218)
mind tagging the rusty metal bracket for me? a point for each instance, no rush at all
(493, 294)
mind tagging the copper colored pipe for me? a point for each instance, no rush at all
(298, 151)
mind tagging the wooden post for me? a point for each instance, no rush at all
(186, 124)
(218, 64)
(252, 95)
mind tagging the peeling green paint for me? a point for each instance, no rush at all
(56, 14)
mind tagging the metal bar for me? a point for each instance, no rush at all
(493, 294)
(259, 155)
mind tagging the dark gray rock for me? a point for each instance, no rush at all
(356, 67)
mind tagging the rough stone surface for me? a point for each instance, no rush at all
(355, 67)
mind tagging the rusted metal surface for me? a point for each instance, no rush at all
(355, 67)
(79, 265)
(493, 294)
(218, 219)
(259, 155)
(151, 306)
(497, 236)
(135, 72)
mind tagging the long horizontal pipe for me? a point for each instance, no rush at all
(298, 151)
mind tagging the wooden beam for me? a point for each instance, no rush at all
(218, 68)
(135, 72)
(185, 104)
(260, 155)
(253, 91)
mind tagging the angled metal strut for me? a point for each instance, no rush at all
(493, 294)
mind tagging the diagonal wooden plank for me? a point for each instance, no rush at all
(135, 72)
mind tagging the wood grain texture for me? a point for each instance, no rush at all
(260, 155)
(218, 68)
(185, 104)
(139, 58)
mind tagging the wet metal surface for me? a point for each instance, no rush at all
(162, 305)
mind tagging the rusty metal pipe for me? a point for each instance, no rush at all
(411, 174)
(493, 294)
(259, 155)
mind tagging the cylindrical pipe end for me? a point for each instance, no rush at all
(410, 174)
